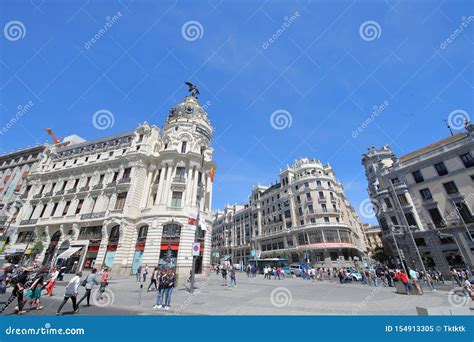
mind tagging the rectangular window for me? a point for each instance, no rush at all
(79, 206)
(32, 212)
(321, 194)
(450, 188)
(467, 160)
(310, 209)
(176, 199)
(426, 194)
(465, 213)
(394, 220)
(418, 176)
(183, 147)
(115, 176)
(126, 173)
(66, 208)
(101, 179)
(388, 203)
(88, 181)
(436, 218)
(53, 212)
(43, 210)
(324, 207)
(121, 198)
(326, 219)
(441, 169)
(318, 183)
(75, 183)
(395, 180)
(308, 196)
(306, 184)
(402, 198)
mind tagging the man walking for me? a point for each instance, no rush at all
(72, 290)
(154, 278)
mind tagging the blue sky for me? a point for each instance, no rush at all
(311, 61)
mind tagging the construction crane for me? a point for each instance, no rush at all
(51, 134)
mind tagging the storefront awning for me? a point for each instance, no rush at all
(66, 254)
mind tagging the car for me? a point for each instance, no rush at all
(353, 274)
(295, 269)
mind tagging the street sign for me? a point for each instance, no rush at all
(196, 248)
(253, 253)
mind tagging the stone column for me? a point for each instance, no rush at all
(99, 261)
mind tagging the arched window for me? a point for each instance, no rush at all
(114, 233)
(143, 231)
(171, 231)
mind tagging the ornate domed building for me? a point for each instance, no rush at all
(125, 200)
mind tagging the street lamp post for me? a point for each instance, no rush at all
(398, 250)
(408, 227)
(200, 192)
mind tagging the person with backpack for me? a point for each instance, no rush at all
(89, 283)
(72, 289)
(19, 284)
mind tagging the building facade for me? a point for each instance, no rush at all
(429, 190)
(125, 200)
(373, 238)
(14, 170)
(305, 216)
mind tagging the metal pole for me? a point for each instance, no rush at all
(402, 213)
(463, 222)
(196, 233)
(398, 250)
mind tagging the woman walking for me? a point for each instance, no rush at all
(34, 293)
(90, 281)
(72, 289)
(52, 281)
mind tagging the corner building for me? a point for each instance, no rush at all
(305, 216)
(125, 200)
(430, 190)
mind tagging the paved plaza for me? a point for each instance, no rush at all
(255, 296)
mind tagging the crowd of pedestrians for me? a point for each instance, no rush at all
(30, 283)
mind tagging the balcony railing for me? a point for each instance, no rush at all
(60, 192)
(48, 194)
(84, 188)
(125, 180)
(112, 184)
(92, 215)
(25, 195)
(179, 179)
(97, 187)
(27, 222)
(72, 191)
(37, 196)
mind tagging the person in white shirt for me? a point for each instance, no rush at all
(72, 289)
